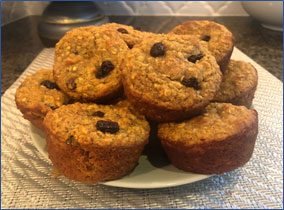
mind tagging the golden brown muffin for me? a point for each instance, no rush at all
(86, 65)
(92, 143)
(220, 140)
(37, 95)
(238, 85)
(128, 33)
(170, 77)
(218, 39)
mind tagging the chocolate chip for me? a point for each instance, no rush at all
(194, 58)
(191, 82)
(206, 38)
(70, 140)
(122, 30)
(49, 85)
(98, 114)
(71, 84)
(130, 46)
(158, 49)
(76, 53)
(105, 69)
(107, 126)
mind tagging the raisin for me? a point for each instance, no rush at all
(71, 84)
(50, 85)
(158, 49)
(122, 30)
(105, 69)
(130, 46)
(70, 140)
(191, 82)
(99, 114)
(206, 38)
(107, 126)
(194, 58)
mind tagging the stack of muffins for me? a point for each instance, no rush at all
(108, 81)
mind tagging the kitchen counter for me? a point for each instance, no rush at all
(21, 43)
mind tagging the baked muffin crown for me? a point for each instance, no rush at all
(218, 122)
(171, 72)
(86, 64)
(130, 35)
(39, 94)
(218, 39)
(239, 84)
(40, 88)
(97, 125)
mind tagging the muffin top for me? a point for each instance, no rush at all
(216, 37)
(219, 121)
(127, 33)
(86, 62)
(97, 125)
(171, 71)
(40, 92)
(239, 78)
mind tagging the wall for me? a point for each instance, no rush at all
(14, 10)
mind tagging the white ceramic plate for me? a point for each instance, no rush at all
(153, 171)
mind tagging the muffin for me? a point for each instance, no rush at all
(37, 95)
(170, 77)
(238, 85)
(219, 140)
(86, 65)
(128, 33)
(218, 39)
(91, 143)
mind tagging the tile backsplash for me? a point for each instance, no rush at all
(14, 10)
(182, 8)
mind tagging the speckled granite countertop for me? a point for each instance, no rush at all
(21, 43)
